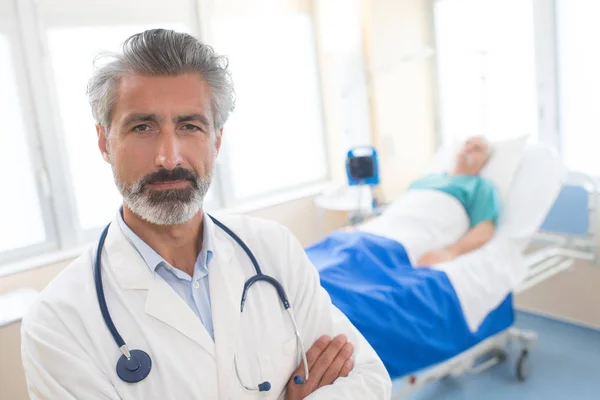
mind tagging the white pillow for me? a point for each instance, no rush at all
(500, 168)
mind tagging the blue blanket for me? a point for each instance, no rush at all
(411, 316)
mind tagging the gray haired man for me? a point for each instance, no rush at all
(172, 278)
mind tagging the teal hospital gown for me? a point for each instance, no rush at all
(477, 195)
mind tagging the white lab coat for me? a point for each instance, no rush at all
(68, 353)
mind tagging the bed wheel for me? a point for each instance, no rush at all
(523, 366)
(500, 355)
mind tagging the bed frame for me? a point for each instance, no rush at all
(569, 233)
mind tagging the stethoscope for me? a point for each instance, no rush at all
(135, 365)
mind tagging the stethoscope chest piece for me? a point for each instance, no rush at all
(136, 368)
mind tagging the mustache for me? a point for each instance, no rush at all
(163, 175)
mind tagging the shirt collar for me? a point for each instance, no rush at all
(207, 240)
(153, 259)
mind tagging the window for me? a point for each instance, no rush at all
(486, 68)
(58, 192)
(341, 35)
(95, 193)
(275, 138)
(19, 202)
(579, 83)
(75, 32)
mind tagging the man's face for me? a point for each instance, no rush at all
(162, 145)
(472, 157)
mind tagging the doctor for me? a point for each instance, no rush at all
(169, 278)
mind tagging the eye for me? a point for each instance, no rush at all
(141, 128)
(191, 127)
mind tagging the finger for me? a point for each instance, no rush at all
(326, 358)
(348, 365)
(334, 370)
(312, 355)
(315, 351)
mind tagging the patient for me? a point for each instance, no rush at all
(477, 195)
(444, 215)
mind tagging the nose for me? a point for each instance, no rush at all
(168, 155)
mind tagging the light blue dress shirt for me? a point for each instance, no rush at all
(194, 290)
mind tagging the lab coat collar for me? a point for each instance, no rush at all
(127, 265)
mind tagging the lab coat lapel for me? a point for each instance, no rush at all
(162, 302)
(125, 263)
(226, 279)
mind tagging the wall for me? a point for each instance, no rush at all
(572, 295)
(12, 379)
(403, 84)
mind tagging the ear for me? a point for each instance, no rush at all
(219, 139)
(103, 142)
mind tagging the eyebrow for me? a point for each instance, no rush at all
(137, 117)
(192, 117)
(140, 118)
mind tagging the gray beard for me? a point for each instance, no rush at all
(168, 207)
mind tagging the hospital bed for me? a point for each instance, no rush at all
(546, 209)
(568, 233)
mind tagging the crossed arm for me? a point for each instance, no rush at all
(342, 364)
(479, 235)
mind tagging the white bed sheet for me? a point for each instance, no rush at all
(422, 220)
(483, 278)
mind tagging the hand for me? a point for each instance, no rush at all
(434, 257)
(327, 360)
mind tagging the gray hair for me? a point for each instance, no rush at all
(161, 52)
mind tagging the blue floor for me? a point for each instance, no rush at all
(564, 365)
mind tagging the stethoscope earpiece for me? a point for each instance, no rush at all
(299, 380)
(136, 368)
(264, 387)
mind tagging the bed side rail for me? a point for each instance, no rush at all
(572, 222)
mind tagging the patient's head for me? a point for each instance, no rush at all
(472, 157)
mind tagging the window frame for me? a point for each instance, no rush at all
(546, 46)
(10, 28)
(559, 96)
